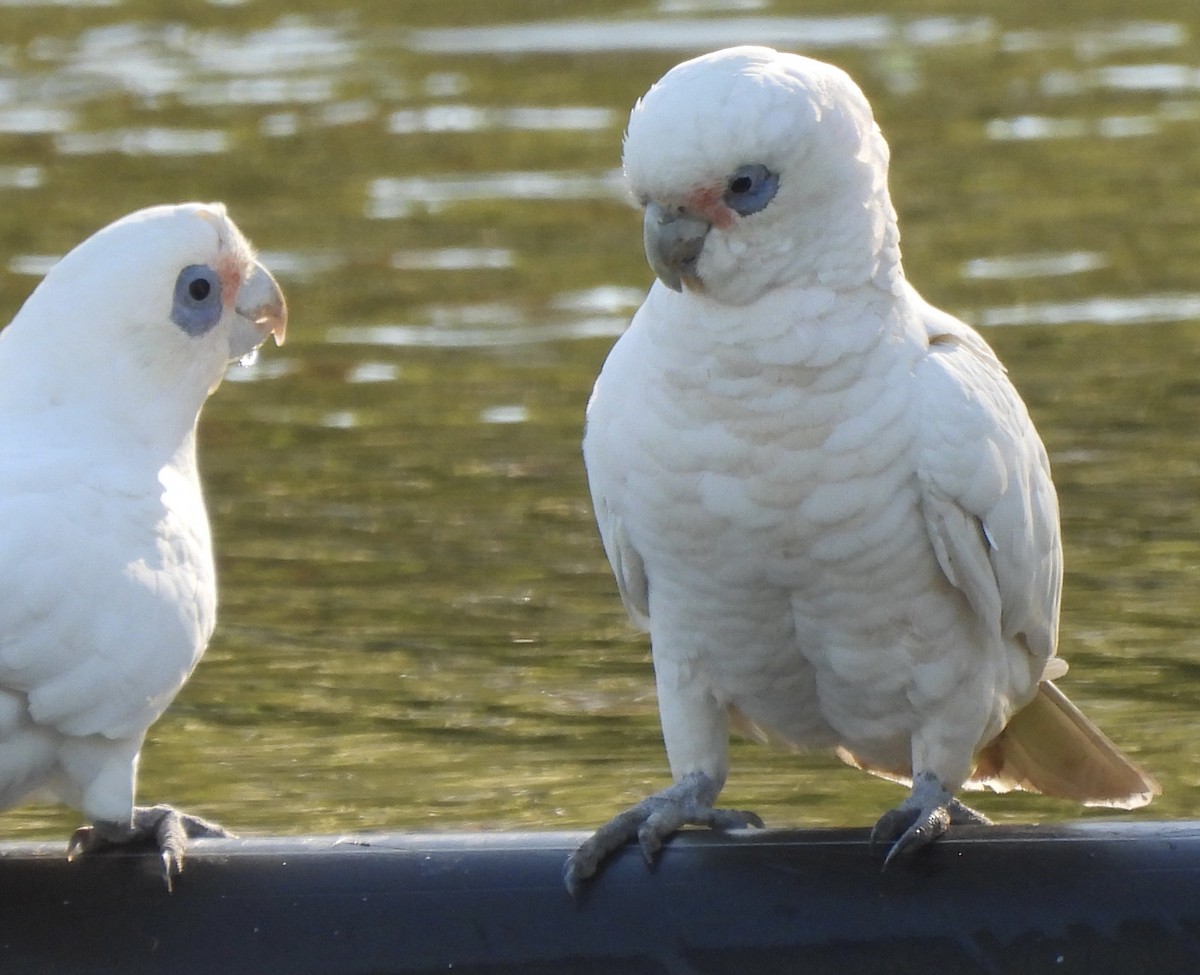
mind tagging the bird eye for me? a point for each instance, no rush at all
(197, 306)
(751, 188)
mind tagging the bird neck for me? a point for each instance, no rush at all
(801, 326)
(844, 241)
(83, 419)
(846, 245)
(66, 395)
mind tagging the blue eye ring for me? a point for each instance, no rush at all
(750, 188)
(197, 306)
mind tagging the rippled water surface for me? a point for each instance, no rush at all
(418, 628)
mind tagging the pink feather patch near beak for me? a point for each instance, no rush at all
(230, 274)
(709, 202)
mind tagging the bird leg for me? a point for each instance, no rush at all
(687, 802)
(165, 827)
(920, 819)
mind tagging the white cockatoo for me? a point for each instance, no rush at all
(109, 594)
(820, 495)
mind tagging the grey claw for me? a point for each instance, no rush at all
(167, 828)
(926, 814)
(575, 872)
(963, 815)
(727, 819)
(915, 828)
(651, 822)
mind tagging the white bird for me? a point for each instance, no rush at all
(821, 496)
(109, 595)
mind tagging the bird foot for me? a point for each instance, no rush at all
(165, 827)
(686, 803)
(926, 814)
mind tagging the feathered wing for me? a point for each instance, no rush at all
(992, 517)
(625, 560)
(987, 496)
(89, 638)
(627, 566)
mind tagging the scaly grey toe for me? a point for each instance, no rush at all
(651, 822)
(165, 827)
(920, 819)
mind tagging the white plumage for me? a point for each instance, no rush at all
(109, 593)
(821, 496)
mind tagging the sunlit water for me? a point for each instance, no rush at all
(418, 629)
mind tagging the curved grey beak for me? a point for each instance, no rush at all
(260, 301)
(673, 238)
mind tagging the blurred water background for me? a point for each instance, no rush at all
(418, 629)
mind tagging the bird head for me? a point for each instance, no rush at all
(148, 312)
(758, 170)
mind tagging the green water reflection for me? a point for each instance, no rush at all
(418, 629)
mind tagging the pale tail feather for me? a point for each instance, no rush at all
(1049, 746)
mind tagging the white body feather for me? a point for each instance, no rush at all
(109, 601)
(822, 497)
(109, 594)
(796, 519)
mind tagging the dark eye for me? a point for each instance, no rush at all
(750, 188)
(741, 184)
(197, 306)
